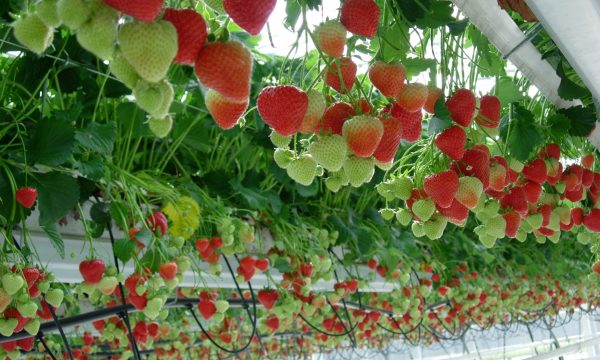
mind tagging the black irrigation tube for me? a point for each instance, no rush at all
(40, 337)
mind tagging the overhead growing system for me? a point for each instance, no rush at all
(170, 189)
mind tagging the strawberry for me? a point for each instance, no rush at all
(592, 220)
(99, 34)
(497, 176)
(207, 308)
(341, 75)
(191, 33)
(411, 122)
(225, 112)
(248, 263)
(31, 275)
(469, 191)
(360, 17)
(359, 170)
(160, 127)
(168, 270)
(575, 194)
(413, 97)
(143, 10)
(262, 264)
(456, 213)
(226, 67)
(73, 13)
(122, 70)
(272, 322)
(302, 169)
(149, 48)
(330, 38)
(26, 344)
(434, 227)
(532, 191)
(461, 106)
(433, 94)
(476, 162)
(513, 221)
(47, 11)
(550, 151)
(596, 267)
(587, 161)
(26, 196)
(283, 108)
(88, 338)
(33, 33)
(535, 171)
(335, 116)
(329, 151)
(588, 178)
(157, 221)
(441, 187)
(268, 298)
(363, 134)
(390, 141)
(423, 209)
(489, 111)
(92, 270)
(515, 199)
(387, 78)
(577, 216)
(250, 15)
(314, 112)
(452, 142)
(154, 98)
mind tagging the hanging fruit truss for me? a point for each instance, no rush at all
(392, 179)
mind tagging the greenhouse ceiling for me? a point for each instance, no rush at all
(186, 179)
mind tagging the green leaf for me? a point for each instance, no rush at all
(98, 137)
(52, 142)
(119, 213)
(308, 191)
(293, 11)
(282, 265)
(522, 126)
(99, 212)
(55, 238)
(365, 242)
(507, 91)
(58, 193)
(131, 120)
(124, 249)
(568, 89)
(440, 14)
(458, 27)
(442, 120)
(558, 126)
(151, 260)
(415, 66)
(92, 168)
(583, 119)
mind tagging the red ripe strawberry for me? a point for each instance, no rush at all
(157, 221)
(143, 10)
(433, 94)
(392, 135)
(31, 275)
(248, 263)
(515, 199)
(26, 344)
(330, 38)
(513, 221)
(372, 264)
(262, 264)
(26, 196)
(489, 111)
(363, 134)
(570, 180)
(335, 116)
(216, 242)
(268, 298)
(412, 125)
(272, 322)
(387, 78)
(452, 142)
(360, 17)
(133, 281)
(535, 171)
(225, 112)
(191, 34)
(577, 216)
(250, 15)
(588, 178)
(592, 220)
(443, 290)
(550, 151)
(587, 161)
(92, 270)
(88, 339)
(282, 108)
(532, 191)
(168, 270)
(13, 313)
(413, 97)
(306, 269)
(497, 176)
(226, 67)
(456, 213)
(347, 69)
(546, 211)
(476, 162)
(441, 187)
(462, 106)
(575, 194)
(207, 309)
(596, 267)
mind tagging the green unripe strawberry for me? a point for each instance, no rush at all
(336, 181)
(555, 237)
(387, 213)
(48, 12)
(161, 127)
(98, 35)
(154, 98)
(54, 297)
(149, 48)
(554, 223)
(7, 326)
(402, 187)
(404, 216)
(12, 283)
(33, 33)
(417, 229)
(540, 239)
(222, 305)
(385, 190)
(584, 238)
(516, 165)
(359, 170)
(535, 220)
(329, 151)
(283, 157)
(487, 240)
(521, 236)
(27, 309)
(385, 166)
(280, 141)
(560, 187)
(123, 71)
(32, 327)
(73, 13)
(434, 227)
(496, 226)
(303, 169)
(423, 209)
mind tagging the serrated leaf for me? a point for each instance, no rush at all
(52, 142)
(559, 125)
(282, 265)
(522, 126)
(92, 168)
(458, 27)
(99, 212)
(98, 137)
(568, 89)
(55, 239)
(58, 193)
(124, 249)
(365, 242)
(415, 66)
(308, 191)
(582, 119)
(293, 11)
(507, 91)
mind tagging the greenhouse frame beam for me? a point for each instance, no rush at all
(567, 349)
